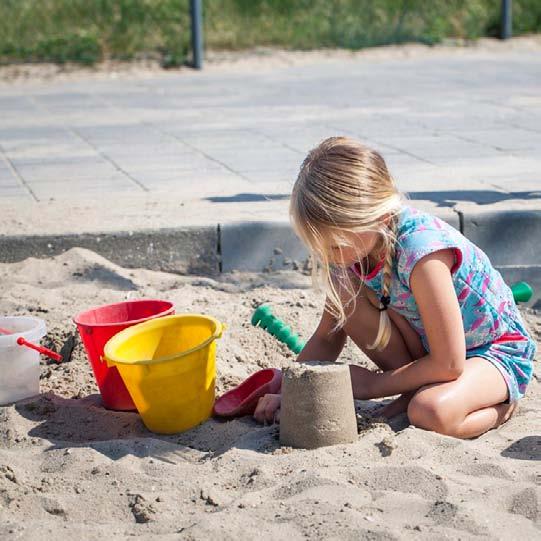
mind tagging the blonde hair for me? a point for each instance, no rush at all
(345, 187)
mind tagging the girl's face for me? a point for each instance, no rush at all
(354, 247)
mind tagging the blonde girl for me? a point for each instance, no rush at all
(422, 301)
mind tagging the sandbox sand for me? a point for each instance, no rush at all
(71, 470)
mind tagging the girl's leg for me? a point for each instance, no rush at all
(404, 344)
(362, 327)
(466, 407)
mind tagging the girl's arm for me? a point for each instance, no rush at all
(324, 345)
(433, 289)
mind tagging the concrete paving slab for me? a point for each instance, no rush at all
(123, 133)
(13, 191)
(268, 176)
(51, 174)
(439, 147)
(33, 133)
(223, 140)
(190, 188)
(181, 162)
(9, 183)
(128, 151)
(11, 103)
(220, 177)
(7, 177)
(520, 187)
(510, 139)
(140, 211)
(268, 189)
(65, 161)
(100, 193)
(46, 152)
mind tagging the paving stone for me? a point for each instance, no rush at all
(13, 191)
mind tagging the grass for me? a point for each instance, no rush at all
(87, 31)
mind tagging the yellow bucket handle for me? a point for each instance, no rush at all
(217, 334)
(223, 327)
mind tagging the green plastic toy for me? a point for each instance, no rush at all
(264, 318)
(522, 292)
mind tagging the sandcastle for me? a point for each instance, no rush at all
(317, 406)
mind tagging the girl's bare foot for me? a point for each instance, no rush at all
(397, 406)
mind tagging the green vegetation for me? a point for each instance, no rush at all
(87, 31)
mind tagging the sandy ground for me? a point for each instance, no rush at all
(70, 469)
(258, 59)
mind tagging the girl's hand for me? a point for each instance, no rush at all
(268, 409)
(363, 382)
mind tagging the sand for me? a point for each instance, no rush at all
(71, 470)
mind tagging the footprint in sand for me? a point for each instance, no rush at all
(411, 480)
(446, 514)
(526, 503)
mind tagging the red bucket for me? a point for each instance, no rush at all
(97, 325)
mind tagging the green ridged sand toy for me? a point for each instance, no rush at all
(264, 318)
(522, 292)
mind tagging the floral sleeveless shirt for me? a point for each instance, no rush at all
(486, 302)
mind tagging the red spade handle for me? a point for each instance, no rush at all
(45, 351)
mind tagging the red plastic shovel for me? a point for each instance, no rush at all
(45, 351)
(242, 400)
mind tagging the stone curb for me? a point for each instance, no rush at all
(190, 250)
(512, 241)
(265, 246)
(507, 237)
(510, 238)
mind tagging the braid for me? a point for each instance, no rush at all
(384, 330)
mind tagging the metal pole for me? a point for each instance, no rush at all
(196, 9)
(507, 19)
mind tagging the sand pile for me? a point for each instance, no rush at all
(70, 469)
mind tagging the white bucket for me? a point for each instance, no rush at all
(19, 365)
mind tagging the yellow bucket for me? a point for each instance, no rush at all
(168, 365)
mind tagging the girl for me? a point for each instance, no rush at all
(416, 296)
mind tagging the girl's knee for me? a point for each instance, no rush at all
(430, 411)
